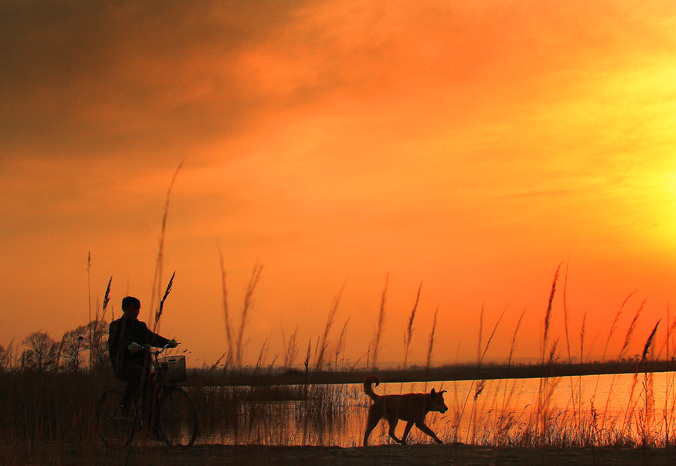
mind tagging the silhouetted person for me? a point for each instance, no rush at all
(131, 361)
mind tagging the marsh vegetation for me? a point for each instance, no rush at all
(49, 389)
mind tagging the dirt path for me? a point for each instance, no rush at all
(395, 455)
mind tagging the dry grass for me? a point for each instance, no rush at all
(381, 324)
(59, 408)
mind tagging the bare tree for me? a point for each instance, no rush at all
(72, 344)
(98, 345)
(42, 352)
(6, 356)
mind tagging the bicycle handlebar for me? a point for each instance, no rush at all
(157, 351)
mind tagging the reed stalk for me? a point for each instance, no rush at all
(481, 354)
(290, 349)
(381, 324)
(430, 346)
(159, 262)
(160, 309)
(408, 335)
(342, 342)
(625, 345)
(323, 344)
(507, 398)
(246, 308)
(226, 310)
(541, 418)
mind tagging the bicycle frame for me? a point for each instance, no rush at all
(171, 416)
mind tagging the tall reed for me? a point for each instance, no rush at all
(226, 311)
(290, 349)
(323, 343)
(481, 354)
(625, 345)
(342, 342)
(430, 346)
(542, 412)
(408, 335)
(159, 263)
(246, 308)
(381, 323)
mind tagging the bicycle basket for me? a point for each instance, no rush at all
(173, 368)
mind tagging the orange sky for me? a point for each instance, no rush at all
(468, 146)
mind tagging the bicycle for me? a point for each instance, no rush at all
(171, 413)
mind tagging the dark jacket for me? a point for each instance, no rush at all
(121, 334)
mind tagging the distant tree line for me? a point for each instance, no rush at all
(82, 349)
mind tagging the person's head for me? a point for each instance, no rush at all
(131, 307)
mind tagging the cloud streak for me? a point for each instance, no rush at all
(445, 139)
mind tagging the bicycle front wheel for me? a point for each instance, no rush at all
(177, 419)
(116, 429)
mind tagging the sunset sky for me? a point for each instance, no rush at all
(468, 146)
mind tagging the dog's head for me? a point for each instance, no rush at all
(436, 402)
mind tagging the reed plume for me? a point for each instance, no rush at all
(408, 336)
(542, 397)
(648, 344)
(106, 300)
(160, 309)
(548, 314)
(157, 278)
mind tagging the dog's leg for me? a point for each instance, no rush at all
(371, 423)
(393, 425)
(409, 424)
(421, 425)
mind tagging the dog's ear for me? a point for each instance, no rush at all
(433, 392)
(441, 392)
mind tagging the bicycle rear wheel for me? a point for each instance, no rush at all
(116, 429)
(177, 418)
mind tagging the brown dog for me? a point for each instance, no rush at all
(411, 407)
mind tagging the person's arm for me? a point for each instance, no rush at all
(153, 339)
(157, 340)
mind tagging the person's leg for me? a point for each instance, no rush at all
(134, 375)
(151, 400)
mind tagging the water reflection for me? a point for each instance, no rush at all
(588, 410)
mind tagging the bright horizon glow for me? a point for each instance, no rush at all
(471, 147)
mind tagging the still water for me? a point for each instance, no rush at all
(602, 408)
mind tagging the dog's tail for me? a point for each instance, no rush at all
(368, 389)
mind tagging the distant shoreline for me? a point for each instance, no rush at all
(457, 372)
